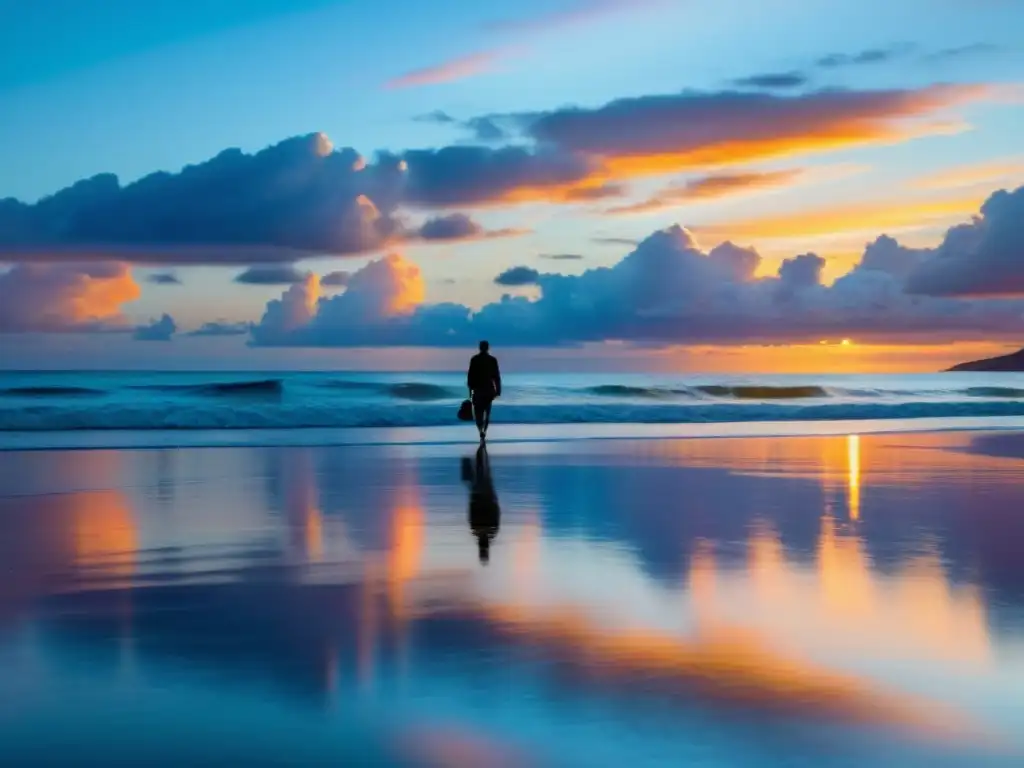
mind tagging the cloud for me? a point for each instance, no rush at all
(459, 226)
(803, 271)
(670, 290)
(660, 134)
(157, 330)
(221, 328)
(843, 218)
(518, 276)
(562, 256)
(476, 175)
(867, 56)
(615, 240)
(271, 274)
(437, 116)
(337, 279)
(164, 278)
(576, 154)
(65, 297)
(710, 187)
(449, 71)
(960, 52)
(379, 294)
(303, 198)
(770, 81)
(296, 198)
(982, 258)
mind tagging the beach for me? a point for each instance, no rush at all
(818, 599)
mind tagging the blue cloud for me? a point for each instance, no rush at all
(518, 276)
(164, 278)
(271, 274)
(158, 330)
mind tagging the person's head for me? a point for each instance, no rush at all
(484, 346)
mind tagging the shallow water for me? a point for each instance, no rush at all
(145, 401)
(836, 600)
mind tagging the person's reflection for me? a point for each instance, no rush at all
(484, 513)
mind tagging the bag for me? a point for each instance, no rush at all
(466, 411)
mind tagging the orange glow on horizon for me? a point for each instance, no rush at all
(817, 358)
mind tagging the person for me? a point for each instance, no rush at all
(484, 382)
(484, 512)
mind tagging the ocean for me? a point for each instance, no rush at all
(143, 401)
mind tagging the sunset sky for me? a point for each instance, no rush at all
(655, 184)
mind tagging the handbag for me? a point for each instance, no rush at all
(466, 411)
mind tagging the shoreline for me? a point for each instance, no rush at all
(505, 434)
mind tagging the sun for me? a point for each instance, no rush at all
(845, 343)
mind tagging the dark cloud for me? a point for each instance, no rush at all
(982, 258)
(800, 272)
(437, 116)
(221, 328)
(669, 290)
(562, 256)
(164, 278)
(271, 274)
(474, 175)
(867, 56)
(615, 241)
(336, 279)
(658, 134)
(302, 198)
(885, 254)
(773, 80)
(459, 226)
(157, 330)
(294, 198)
(65, 297)
(518, 276)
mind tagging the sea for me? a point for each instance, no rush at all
(36, 402)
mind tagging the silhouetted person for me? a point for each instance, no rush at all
(484, 382)
(484, 513)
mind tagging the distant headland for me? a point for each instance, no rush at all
(1011, 362)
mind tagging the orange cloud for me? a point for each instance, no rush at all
(711, 187)
(660, 134)
(459, 68)
(54, 297)
(830, 220)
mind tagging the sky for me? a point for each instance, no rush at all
(681, 183)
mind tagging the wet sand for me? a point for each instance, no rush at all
(819, 600)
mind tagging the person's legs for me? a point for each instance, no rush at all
(482, 413)
(479, 413)
(487, 416)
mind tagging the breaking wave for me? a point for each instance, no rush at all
(278, 415)
(259, 387)
(49, 391)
